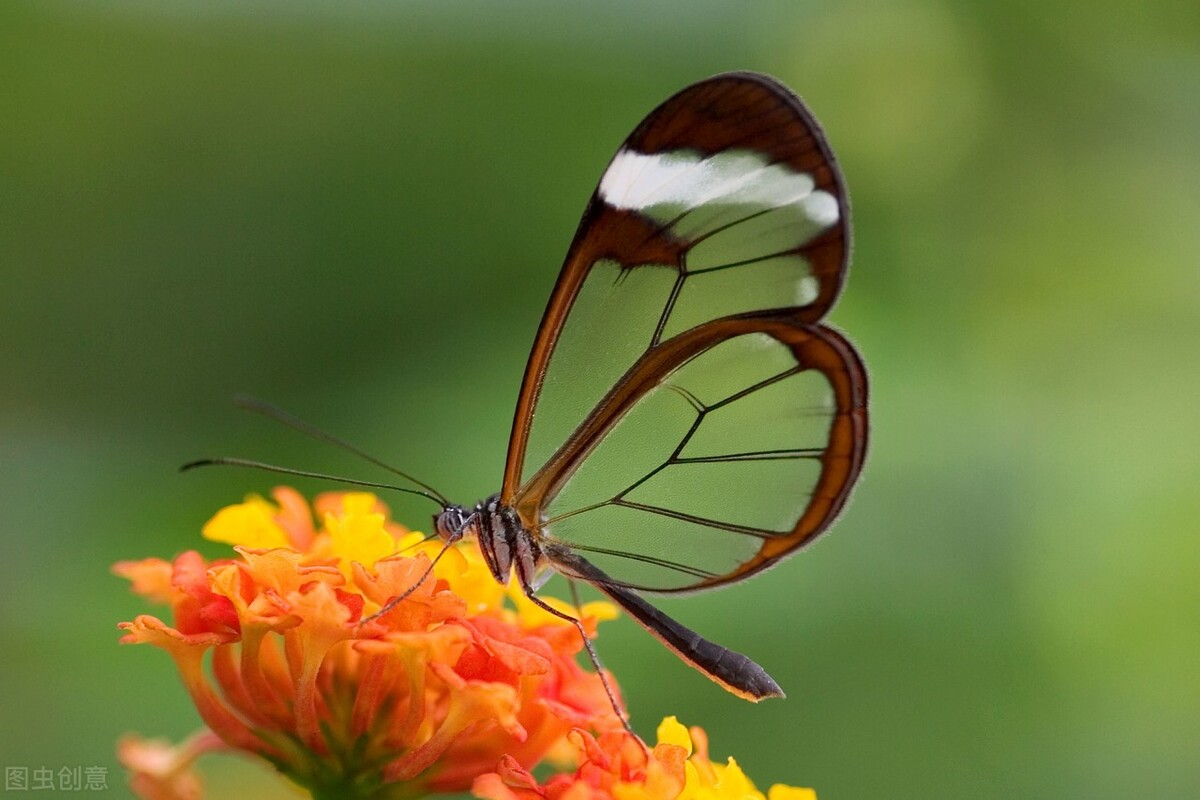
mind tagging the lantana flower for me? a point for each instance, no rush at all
(618, 766)
(281, 653)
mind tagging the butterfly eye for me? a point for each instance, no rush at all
(451, 523)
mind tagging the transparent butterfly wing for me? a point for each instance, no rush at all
(675, 425)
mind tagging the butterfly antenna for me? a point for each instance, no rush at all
(295, 423)
(427, 537)
(242, 462)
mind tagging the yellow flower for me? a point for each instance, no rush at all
(250, 524)
(616, 765)
(278, 650)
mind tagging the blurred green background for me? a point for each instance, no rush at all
(357, 211)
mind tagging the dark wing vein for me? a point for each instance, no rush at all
(695, 572)
(758, 455)
(752, 389)
(667, 309)
(745, 262)
(747, 530)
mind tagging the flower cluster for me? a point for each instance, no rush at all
(617, 766)
(347, 703)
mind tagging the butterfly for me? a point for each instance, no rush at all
(685, 420)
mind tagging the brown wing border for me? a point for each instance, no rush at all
(731, 110)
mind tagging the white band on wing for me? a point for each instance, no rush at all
(684, 180)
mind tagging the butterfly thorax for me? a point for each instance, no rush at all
(503, 539)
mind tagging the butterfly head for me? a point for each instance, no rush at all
(451, 523)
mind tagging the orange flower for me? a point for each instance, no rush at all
(421, 699)
(617, 766)
(160, 771)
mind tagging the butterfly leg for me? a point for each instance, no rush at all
(587, 643)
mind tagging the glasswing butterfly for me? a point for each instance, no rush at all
(685, 419)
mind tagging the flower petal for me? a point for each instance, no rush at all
(251, 524)
(151, 578)
(162, 771)
(783, 792)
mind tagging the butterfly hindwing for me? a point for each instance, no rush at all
(729, 446)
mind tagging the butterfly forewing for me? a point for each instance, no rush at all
(684, 420)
